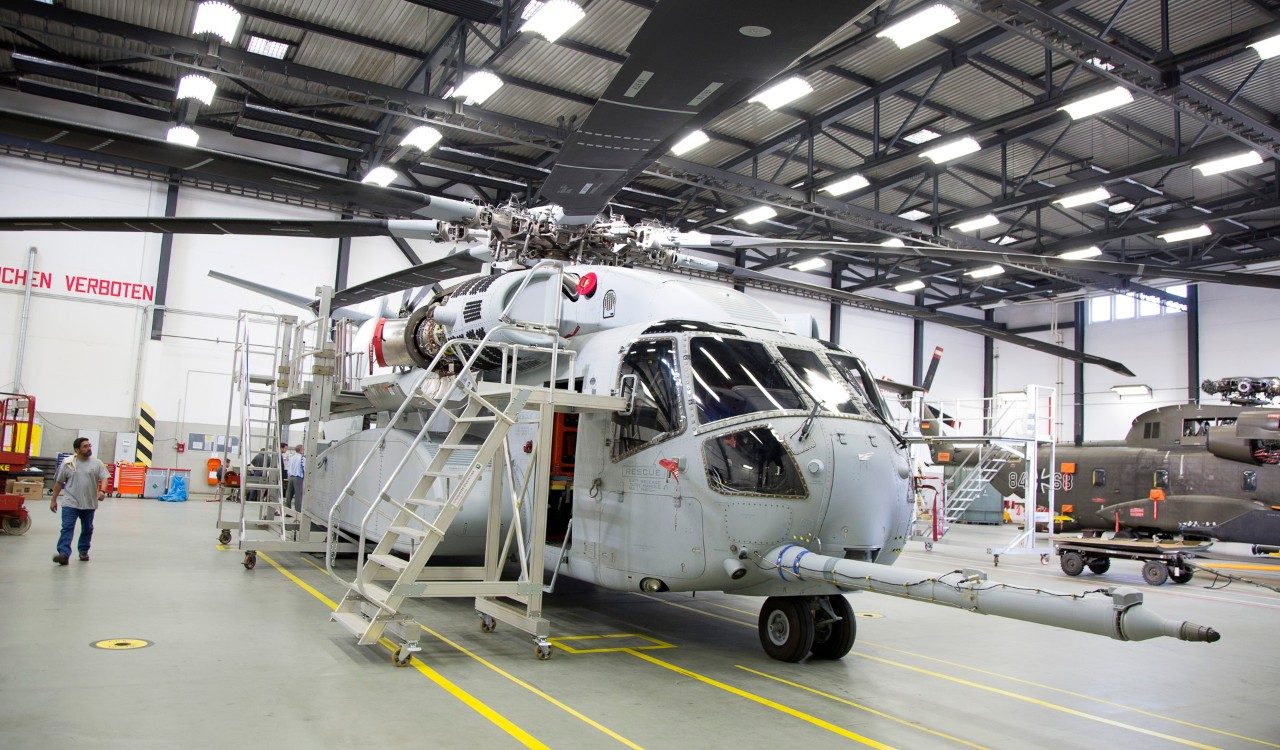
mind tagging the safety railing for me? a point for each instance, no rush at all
(508, 373)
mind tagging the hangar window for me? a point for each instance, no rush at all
(1128, 306)
(648, 371)
(1160, 479)
(1099, 477)
(1249, 481)
(752, 462)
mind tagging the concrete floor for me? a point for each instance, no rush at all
(245, 658)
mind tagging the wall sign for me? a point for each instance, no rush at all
(90, 286)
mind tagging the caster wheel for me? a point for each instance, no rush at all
(250, 560)
(542, 651)
(400, 657)
(928, 546)
(995, 562)
(225, 537)
(1044, 559)
(488, 624)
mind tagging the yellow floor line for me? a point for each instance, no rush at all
(868, 709)
(762, 701)
(1074, 694)
(1042, 686)
(1037, 702)
(1240, 566)
(553, 701)
(475, 704)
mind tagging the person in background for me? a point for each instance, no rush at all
(82, 479)
(297, 472)
(284, 471)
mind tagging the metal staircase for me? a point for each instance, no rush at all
(259, 374)
(478, 415)
(987, 462)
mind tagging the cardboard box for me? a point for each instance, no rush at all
(29, 488)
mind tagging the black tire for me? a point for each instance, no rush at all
(786, 627)
(1155, 572)
(833, 640)
(1072, 563)
(17, 526)
(1181, 575)
(1099, 565)
(225, 536)
(250, 560)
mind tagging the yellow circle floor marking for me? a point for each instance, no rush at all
(868, 615)
(121, 644)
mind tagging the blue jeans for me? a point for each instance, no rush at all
(69, 516)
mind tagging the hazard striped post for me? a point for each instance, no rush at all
(146, 434)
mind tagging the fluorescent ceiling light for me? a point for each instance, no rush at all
(218, 19)
(1080, 199)
(182, 135)
(552, 18)
(1091, 251)
(1092, 105)
(914, 214)
(811, 264)
(1008, 239)
(197, 86)
(1131, 390)
(909, 286)
(1228, 163)
(923, 135)
(380, 176)
(920, 25)
(423, 138)
(847, 185)
(259, 45)
(893, 242)
(985, 271)
(477, 87)
(972, 225)
(952, 150)
(1267, 48)
(783, 92)
(756, 215)
(1186, 234)
(690, 142)
(1123, 207)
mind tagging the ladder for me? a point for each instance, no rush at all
(259, 376)
(989, 460)
(483, 410)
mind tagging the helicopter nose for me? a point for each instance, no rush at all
(869, 504)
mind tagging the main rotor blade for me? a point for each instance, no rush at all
(1024, 260)
(757, 279)
(289, 298)
(689, 62)
(183, 225)
(424, 275)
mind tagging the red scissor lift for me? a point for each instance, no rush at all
(16, 420)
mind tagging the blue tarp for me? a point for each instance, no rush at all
(177, 490)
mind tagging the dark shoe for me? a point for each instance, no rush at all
(84, 557)
(60, 559)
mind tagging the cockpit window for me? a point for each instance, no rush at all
(655, 413)
(752, 462)
(821, 385)
(859, 378)
(732, 377)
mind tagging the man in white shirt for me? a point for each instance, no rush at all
(297, 468)
(81, 481)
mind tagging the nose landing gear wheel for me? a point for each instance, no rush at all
(832, 638)
(786, 627)
(250, 560)
(224, 537)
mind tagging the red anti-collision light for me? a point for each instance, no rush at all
(587, 285)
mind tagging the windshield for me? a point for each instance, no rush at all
(829, 390)
(859, 378)
(733, 377)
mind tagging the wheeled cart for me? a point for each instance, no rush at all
(1161, 561)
